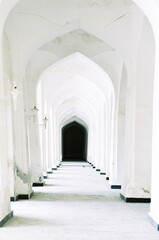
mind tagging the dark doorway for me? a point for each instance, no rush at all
(74, 142)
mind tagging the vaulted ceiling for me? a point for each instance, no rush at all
(38, 34)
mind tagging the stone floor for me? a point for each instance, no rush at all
(77, 203)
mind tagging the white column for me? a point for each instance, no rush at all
(33, 132)
(120, 146)
(103, 141)
(97, 141)
(22, 164)
(154, 206)
(137, 169)
(10, 149)
(128, 166)
(121, 101)
(107, 159)
(35, 156)
(56, 129)
(5, 209)
(44, 160)
(109, 141)
(54, 163)
(50, 142)
(115, 177)
(137, 183)
(58, 146)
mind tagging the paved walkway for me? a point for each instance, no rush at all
(77, 203)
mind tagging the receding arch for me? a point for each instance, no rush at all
(74, 142)
(74, 118)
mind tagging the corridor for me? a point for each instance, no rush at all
(77, 203)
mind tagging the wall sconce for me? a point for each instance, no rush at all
(15, 93)
(34, 112)
(45, 120)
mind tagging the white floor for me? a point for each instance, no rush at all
(77, 203)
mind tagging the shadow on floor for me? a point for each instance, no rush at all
(69, 197)
(17, 221)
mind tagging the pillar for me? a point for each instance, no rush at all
(5, 208)
(115, 177)
(137, 174)
(22, 166)
(154, 206)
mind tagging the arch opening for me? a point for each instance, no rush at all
(74, 142)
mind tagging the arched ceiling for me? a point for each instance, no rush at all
(84, 84)
(64, 72)
(61, 28)
(70, 119)
(40, 33)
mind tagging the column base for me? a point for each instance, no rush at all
(38, 184)
(135, 199)
(6, 218)
(21, 197)
(97, 170)
(102, 173)
(25, 196)
(153, 222)
(54, 169)
(115, 186)
(14, 199)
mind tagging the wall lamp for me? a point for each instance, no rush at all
(45, 120)
(34, 112)
(15, 93)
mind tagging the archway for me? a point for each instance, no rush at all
(74, 142)
(147, 9)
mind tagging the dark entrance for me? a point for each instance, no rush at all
(74, 142)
